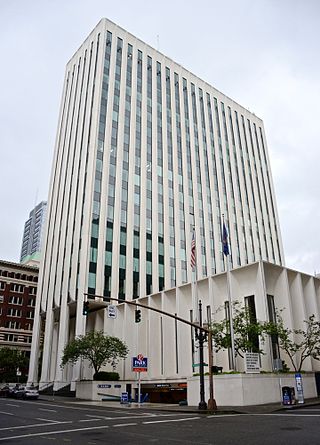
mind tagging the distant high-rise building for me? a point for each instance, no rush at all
(147, 153)
(33, 233)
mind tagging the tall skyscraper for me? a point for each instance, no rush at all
(146, 151)
(33, 232)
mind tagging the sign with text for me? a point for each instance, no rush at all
(112, 311)
(124, 398)
(299, 387)
(139, 363)
(252, 363)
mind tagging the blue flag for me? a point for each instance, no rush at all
(225, 245)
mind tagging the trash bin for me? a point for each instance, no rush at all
(288, 395)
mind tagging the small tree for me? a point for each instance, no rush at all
(297, 343)
(10, 360)
(246, 330)
(96, 347)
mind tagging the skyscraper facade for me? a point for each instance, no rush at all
(146, 155)
(33, 232)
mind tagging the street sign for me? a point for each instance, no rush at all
(112, 311)
(124, 397)
(139, 363)
(103, 385)
(195, 365)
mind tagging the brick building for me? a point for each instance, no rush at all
(18, 289)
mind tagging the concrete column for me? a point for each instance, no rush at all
(63, 337)
(44, 380)
(34, 356)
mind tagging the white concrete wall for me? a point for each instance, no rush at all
(94, 390)
(249, 389)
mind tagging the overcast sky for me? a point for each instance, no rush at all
(264, 54)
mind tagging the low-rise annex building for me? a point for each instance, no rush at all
(171, 347)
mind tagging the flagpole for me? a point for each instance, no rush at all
(193, 263)
(227, 253)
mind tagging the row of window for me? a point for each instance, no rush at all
(18, 275)
(11, 324)
(14, 299)
(18, 288)
(14, 312)
(15, 338)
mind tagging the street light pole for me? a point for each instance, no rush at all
(201, 337)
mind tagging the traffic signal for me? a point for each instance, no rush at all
(85, 310)
(137, 315)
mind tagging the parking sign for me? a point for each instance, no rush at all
(139, 363)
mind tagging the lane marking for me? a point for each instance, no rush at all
(171, 420)
(4, 412)
(11, 404)
(48, 420)
(100, 417)
(31, 426)
(124, 424)
(89, 420)
(49, 410)
(54, 432)
(226, 415)
(90, 407)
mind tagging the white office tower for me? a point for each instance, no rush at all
(145, 151)
(33, 233)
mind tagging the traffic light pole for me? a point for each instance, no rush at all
(201, 337)
(202, 330)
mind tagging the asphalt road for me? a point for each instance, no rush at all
(45, 422)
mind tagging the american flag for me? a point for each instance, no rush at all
(193, 251)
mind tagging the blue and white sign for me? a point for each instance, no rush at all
(103, 385)
(139, 363)
(124, 397)
(299, 387)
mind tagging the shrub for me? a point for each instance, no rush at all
(104, 375)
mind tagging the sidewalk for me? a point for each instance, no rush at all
(254, 409)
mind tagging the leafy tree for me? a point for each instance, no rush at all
(96, 347)
(297, 343)
(10, 360)
(246, 331)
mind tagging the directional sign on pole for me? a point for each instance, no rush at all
(112, 311)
